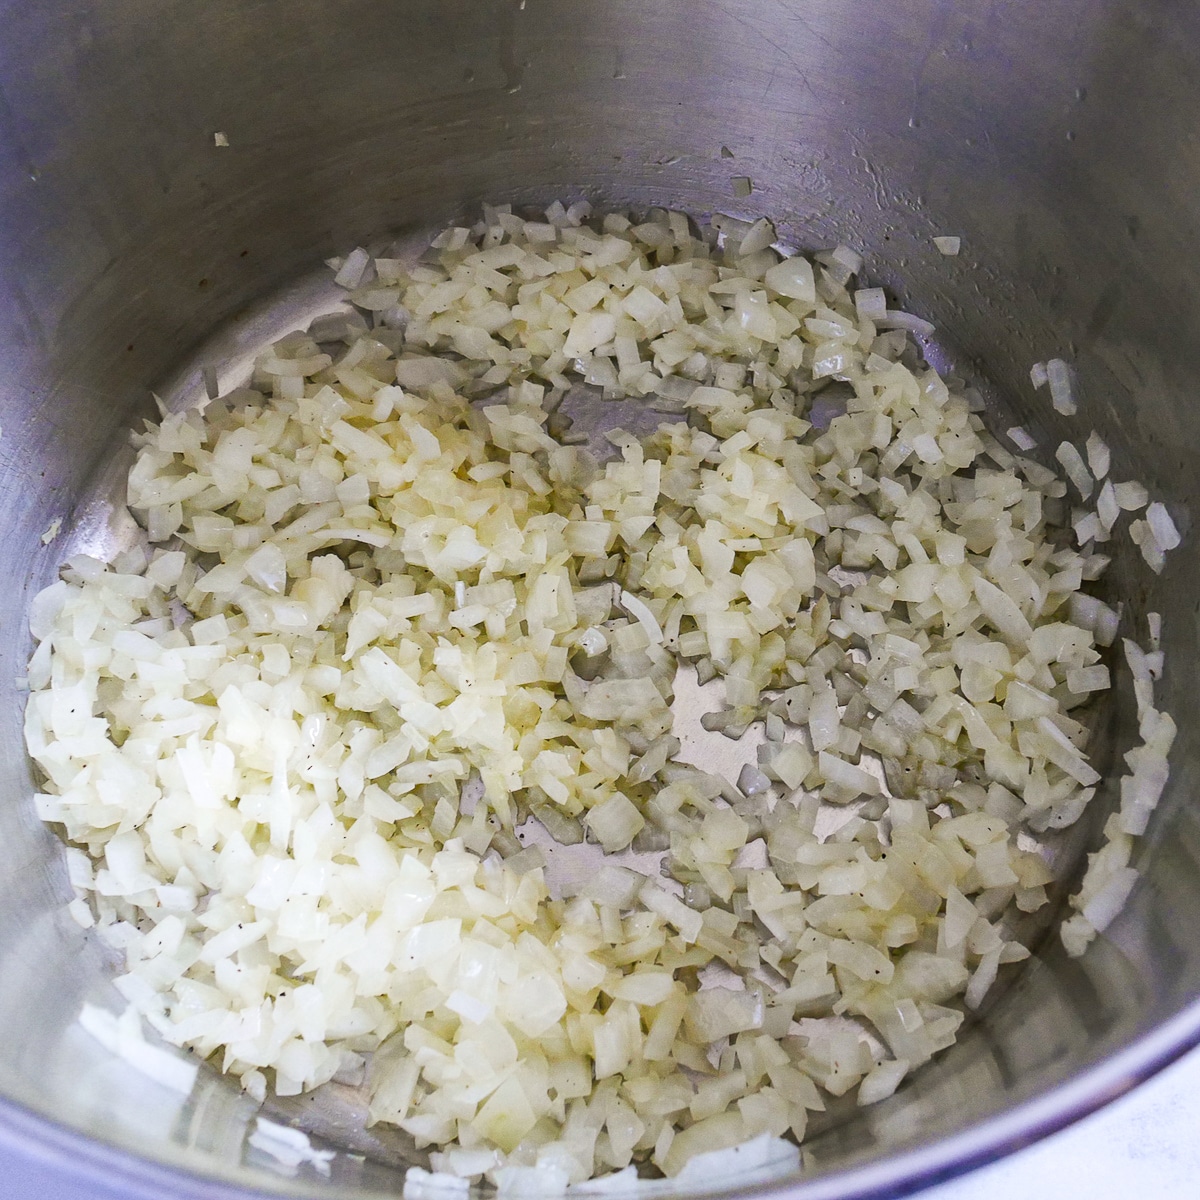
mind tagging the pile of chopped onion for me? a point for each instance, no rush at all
(1155, 535)
(388, 612)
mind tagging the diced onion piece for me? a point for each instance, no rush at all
(1062, 388)
(881, 1081)
(870, 304)
(615, 823)
(1075, 468)
(793, 278)
(353, 270)
(1131, 496)
(1166, 535)
(640, 611)
(1098, 454)
(897, 319)
(761, 235)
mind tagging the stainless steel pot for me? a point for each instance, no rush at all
(1057, 139)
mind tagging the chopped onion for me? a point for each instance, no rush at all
(1162, 527)
(289, 1147)
(760, 236)
(640, 611)
(1098, 454)
(353, 270)
(1062, 388)
(1131, 496)
(419, 647)
(870, 304)
(792, 278)
(896, 319)
(1075, 468)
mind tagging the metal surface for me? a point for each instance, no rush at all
(1055, 139)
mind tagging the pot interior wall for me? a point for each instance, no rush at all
(1053, 139)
